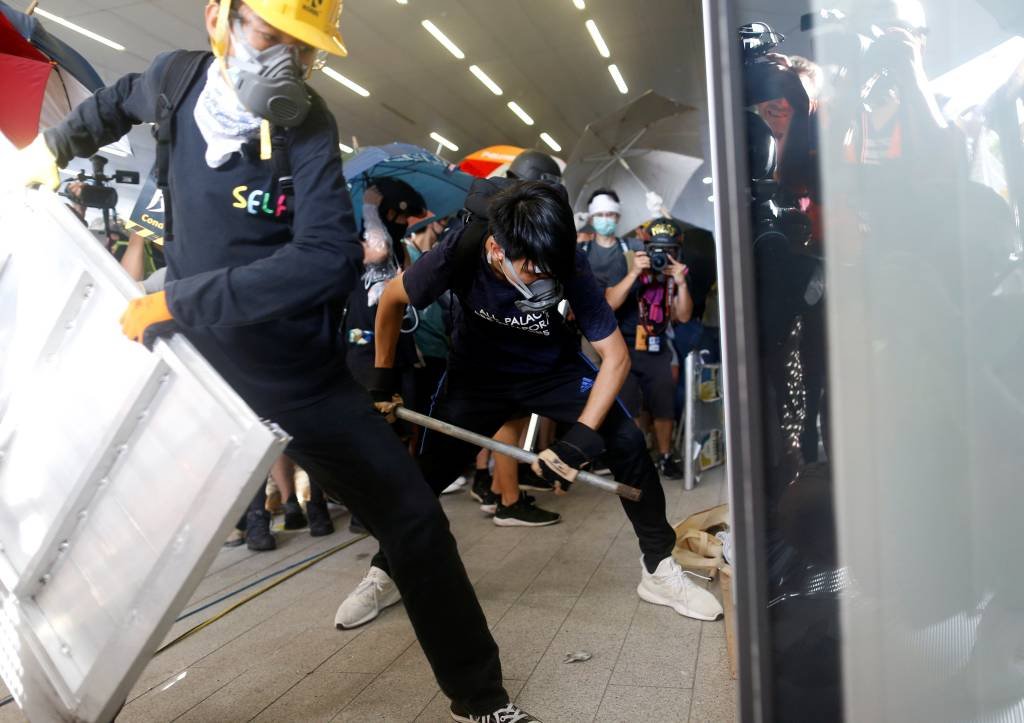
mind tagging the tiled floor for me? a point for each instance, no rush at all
(546, 592)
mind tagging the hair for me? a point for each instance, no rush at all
(399, 197)
(533, 220)
(603, 192)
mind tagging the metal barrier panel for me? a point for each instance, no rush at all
(121, 470)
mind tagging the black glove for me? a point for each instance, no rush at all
(383, 383)
(562, 461)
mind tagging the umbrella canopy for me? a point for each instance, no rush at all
(489, 161)
(666, 173)
(442, 185)
(24, 74)
(68, 79)
(651, 144)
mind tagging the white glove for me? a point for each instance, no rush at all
(655, 204)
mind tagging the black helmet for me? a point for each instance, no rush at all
(665, 230)
(535, 166)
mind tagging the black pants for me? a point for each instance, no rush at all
(483, 406)
(345, 445)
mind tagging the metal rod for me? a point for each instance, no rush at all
(516, 453)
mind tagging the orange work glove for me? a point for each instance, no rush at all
(148, 318)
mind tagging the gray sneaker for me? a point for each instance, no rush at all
(376, 592)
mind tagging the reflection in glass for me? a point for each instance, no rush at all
(887, 211)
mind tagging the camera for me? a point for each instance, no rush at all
(95, 190)
(659, 253)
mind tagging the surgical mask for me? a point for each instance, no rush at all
(541, 295)
(604, 226)
(269, 83)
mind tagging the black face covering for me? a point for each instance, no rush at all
(396, 230)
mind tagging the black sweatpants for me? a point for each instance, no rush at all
(348, 448)
(484, 405)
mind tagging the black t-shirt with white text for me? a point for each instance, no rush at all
(492, 334)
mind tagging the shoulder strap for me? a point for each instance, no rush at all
(179, 74)
(282, 162)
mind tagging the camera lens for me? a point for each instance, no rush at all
(659, 260)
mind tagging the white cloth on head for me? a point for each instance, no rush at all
(604, 204)
(223, 121)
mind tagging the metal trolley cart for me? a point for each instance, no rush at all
(699, 436)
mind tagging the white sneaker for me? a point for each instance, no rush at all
(456, 486)
(376, 592)
(670, 585)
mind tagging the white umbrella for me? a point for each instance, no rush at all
(650, 144)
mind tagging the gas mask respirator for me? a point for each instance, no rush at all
(541, 295)
(269, 83)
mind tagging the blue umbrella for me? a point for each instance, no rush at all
(442, 185)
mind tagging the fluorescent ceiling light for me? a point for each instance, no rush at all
(706, 180)
(78, 29)
(403, 2)
(443, 39)
(580, 4)
(345, 149)
(485, 79)
(350, 84)
(617, 77)
(602, 48)
(444, 141)
(552, 143)
(523, 115)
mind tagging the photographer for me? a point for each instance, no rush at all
(646, 301)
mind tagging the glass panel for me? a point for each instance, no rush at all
(887, 168)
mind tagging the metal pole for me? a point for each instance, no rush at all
(520, 455)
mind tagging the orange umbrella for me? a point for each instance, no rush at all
(484, 162)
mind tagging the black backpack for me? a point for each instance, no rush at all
(182, 69)
(473, 228)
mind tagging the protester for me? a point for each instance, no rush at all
(256, 293)
(513, 354)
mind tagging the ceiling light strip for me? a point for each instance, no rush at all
(485, 79)
(552, 143)
(444, 141)
(620, 82)
(595, 35)
(443, 39)
(347, 82)
(523, 115)
(79, 29)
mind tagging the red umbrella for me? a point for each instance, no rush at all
(24, 73)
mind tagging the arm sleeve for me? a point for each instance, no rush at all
(107, 115)
(427, 279)
(323, 260)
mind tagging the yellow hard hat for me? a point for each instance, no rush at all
(314, 22)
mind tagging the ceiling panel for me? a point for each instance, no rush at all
(538, 51)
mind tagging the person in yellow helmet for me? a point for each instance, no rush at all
(262, 253)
